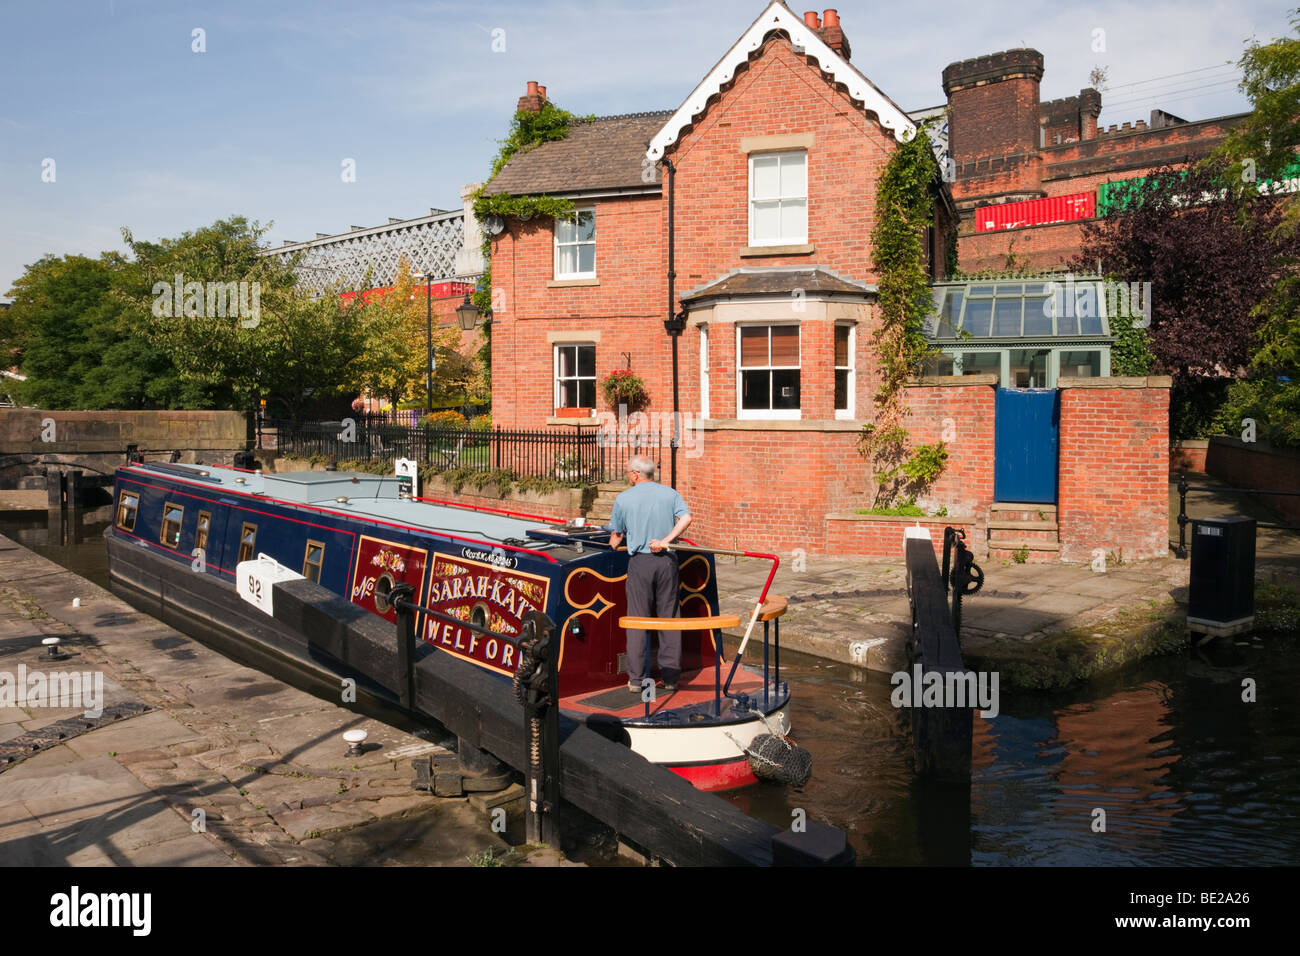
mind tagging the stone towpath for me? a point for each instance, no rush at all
(263, 763)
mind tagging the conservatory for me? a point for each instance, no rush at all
(1029, 332)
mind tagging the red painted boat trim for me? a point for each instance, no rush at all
(722, 775)
(495, 511)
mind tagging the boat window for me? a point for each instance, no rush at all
(127, 506)
(312, 560)
(201, 531)
(248, 542)
(171, 524)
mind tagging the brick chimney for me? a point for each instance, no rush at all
(532, 100)
(831, 33)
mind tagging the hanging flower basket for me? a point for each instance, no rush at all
(621, 387)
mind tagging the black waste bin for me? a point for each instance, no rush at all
(1221, 595)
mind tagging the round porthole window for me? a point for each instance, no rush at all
(382, 587)
(479, 616)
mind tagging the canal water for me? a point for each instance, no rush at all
(1164, 764)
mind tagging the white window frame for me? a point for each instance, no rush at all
(781, 240)
(848, 414)
(767, 414)
(559, 390)
(592, 242)
(704, 371)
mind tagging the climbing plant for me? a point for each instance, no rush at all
(904, 208)
(528, 129)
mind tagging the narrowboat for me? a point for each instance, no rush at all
(180, 531)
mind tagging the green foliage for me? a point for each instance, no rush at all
(75, 336)
(904, 208)
(527, 130)
(297, 345)
(1130, 353)
(903, 508)
(622, 387)
(1267, 140)
(1021, 554)
(481, 423)
(926, 464)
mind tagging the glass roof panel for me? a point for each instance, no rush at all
(976, 317)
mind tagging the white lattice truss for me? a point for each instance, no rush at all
(368, 258)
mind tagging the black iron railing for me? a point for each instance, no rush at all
(573, 455)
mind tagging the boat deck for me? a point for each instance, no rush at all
(694, 695)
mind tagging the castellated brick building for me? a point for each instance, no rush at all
(1010, 149)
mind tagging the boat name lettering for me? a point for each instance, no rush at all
(499, 558)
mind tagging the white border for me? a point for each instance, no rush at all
(779, 17)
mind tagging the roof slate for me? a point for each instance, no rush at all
(760, 281)
(602, 153)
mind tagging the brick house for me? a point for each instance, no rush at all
(777, 154)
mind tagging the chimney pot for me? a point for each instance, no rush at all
(811, 20)
(532, 88)
(831, 18)
(541, 91)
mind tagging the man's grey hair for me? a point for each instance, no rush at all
(643, 465)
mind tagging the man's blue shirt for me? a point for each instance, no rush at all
(646, 512)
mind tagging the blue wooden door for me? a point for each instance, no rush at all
(1025, 443)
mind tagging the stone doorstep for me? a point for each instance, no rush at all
(1015, 544)
(1004, 525)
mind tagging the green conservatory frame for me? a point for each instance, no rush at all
(1027, 330)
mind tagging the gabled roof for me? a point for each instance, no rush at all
(602, 153)
(779, 17)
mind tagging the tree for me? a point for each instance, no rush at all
(79, 343)
(1211, 255)
(278, 342)
(393, 328)
(1263, 147)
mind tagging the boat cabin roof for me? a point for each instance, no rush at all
(369, 496)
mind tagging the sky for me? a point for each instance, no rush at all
(117, 113)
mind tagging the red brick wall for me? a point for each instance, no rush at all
(627, 308)
(883, 538)
(773, 489)
(1113, 486)
(778, 93)
(962, 417)
(770, 490)
(1255, 466)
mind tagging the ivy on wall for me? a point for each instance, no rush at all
(904, 208)
(527, 130)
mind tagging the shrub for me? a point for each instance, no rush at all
(445, 419)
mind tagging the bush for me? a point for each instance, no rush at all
(481, 423)
(446, 419)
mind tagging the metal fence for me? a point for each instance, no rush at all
(576, 455)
